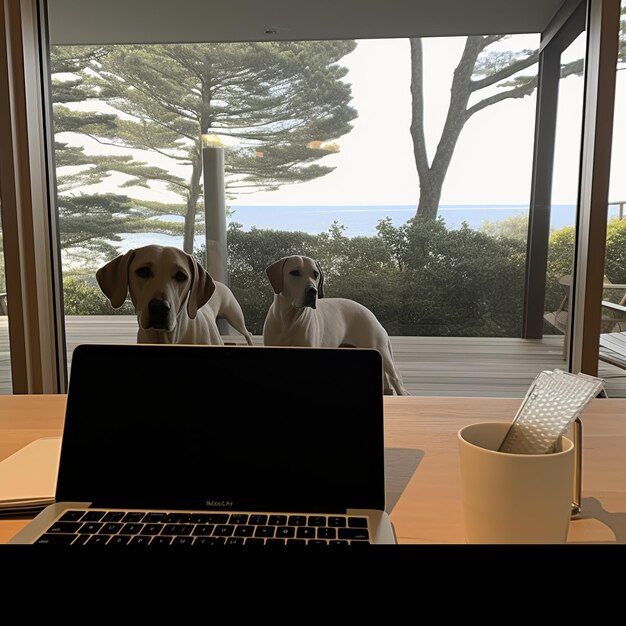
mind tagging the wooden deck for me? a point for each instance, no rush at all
(430, 366)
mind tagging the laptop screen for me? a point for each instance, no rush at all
(207, 427)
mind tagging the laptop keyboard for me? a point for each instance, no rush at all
(114, 527)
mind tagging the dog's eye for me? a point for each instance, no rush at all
(315, 275)
(181, 277)
(295, 272)
(143, 272)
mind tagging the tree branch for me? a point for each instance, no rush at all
(517, 92)
(506, 72)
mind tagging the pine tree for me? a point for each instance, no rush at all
(277, 106)
(90, 223)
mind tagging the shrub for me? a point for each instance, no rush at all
(81, 297)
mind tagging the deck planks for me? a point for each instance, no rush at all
(431, 366)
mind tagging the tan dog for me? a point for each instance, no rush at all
(175, 298)
(300, 317)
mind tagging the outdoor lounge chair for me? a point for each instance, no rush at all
(613, 344)
(613, 322)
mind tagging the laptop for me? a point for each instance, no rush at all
(206, 446)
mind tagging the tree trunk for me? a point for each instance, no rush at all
(432, 176)
(192, 199)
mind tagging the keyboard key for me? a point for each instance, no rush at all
(80, 540)
(161, 541)
(326, 533)
(305, 532)
(133, 516)
(338, 542)
(138, 540)
(130, 529)
(177, 529)
(209, 541)
(98, 540)
(255, 541)
(199, 518)
(258, 520)
(92, 516)
(337, 522)
(64, 527)
(177, 518)
(275, 542)
(297, 520)
(151, 529)
(218, 518)
(317, 542)
(265, 531)
(285, 532)
(111, 528)
(296, 542)
(55, 540)
(357, 522)
(238, 518)
(120, 540)
(244, 531)
(353, 533)
(234, 541)
(91, 528)
(151, 518)
(182, 541)
(277, 520)
(203, 530)
(113, 516)
(224, 530)
(71, 516)
(316, 520)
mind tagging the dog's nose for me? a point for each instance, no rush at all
(158, 309)
(310, 296)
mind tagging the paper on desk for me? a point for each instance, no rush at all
(28, 477)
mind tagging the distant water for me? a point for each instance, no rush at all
(362, 220)
(358, 220)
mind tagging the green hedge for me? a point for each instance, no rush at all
(418, 278)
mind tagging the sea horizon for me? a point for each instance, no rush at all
(357, 220)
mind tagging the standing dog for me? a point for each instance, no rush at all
(301, 316)
(175, 298)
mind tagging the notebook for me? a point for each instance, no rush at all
(219, 445)
(28, 477)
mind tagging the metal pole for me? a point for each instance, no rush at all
(215, 220)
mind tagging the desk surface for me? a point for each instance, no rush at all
(429, 508)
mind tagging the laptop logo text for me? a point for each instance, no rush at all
(223, 503)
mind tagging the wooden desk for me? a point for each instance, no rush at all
(429, 509)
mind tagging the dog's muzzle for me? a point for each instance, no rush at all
(310, 297)
(159, 310)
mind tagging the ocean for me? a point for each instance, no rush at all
(359, 220)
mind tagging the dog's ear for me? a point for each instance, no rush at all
(320, 284)
(113, 278)
(275, 274)
(202, 287)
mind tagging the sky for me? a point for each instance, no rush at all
(492, 160)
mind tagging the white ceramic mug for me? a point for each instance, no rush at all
(513, 498)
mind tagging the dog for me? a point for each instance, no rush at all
(301, 316)
(176, 300)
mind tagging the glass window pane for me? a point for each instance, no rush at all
(411, 190)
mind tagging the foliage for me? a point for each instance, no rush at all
(281, 105)
(615, 264)
(418, 278)
(90, 222)
(82, 296)
(515, 227)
